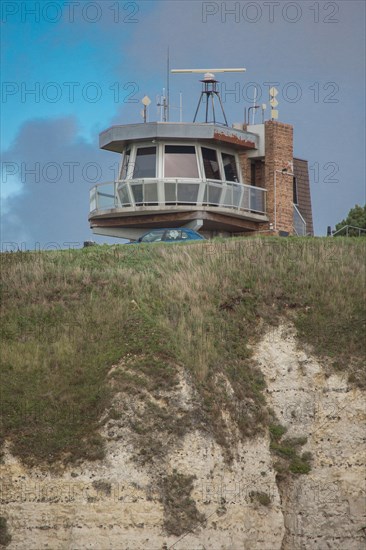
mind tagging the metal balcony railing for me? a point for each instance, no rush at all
(299, 223)
(350, 231)
(168, 192)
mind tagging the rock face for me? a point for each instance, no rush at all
(326, 508)
(117, 504)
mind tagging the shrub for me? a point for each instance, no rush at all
(5, 537)
(260, 497)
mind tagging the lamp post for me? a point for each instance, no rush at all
(284, 171)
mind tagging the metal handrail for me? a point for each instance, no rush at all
(302, 220)
(349, 227)
(234, 195)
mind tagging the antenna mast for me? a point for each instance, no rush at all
(167, 87)
(209, 89)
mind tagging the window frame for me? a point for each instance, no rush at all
(218, 157)
(237, 166)
(219, 151)
(160, 161)
(122, 167)
(133, 164)
(198, 162)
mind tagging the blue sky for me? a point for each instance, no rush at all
(72, 69)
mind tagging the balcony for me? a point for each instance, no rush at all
(123, 198)
(299, 223)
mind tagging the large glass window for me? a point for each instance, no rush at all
(145, 163)
(180, 162)
(126, 160)
(229, 163)
(211, 164)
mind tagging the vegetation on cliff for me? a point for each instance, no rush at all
(68, 317)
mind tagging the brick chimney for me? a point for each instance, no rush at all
(278, 175)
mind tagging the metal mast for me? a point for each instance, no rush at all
(209, 90)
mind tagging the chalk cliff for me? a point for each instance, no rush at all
(192, 497)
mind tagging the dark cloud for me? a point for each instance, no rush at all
(56, 169)
(319, 57)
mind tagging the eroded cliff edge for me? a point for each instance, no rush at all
(193, 492)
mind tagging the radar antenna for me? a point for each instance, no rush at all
(209, 89)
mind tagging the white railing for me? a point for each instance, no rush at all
(168, 192)
(299, 223)
(103, 196)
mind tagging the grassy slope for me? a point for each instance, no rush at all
(68, 316)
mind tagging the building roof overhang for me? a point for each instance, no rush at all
(117, 137)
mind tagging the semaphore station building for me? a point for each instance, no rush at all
(216, 179)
